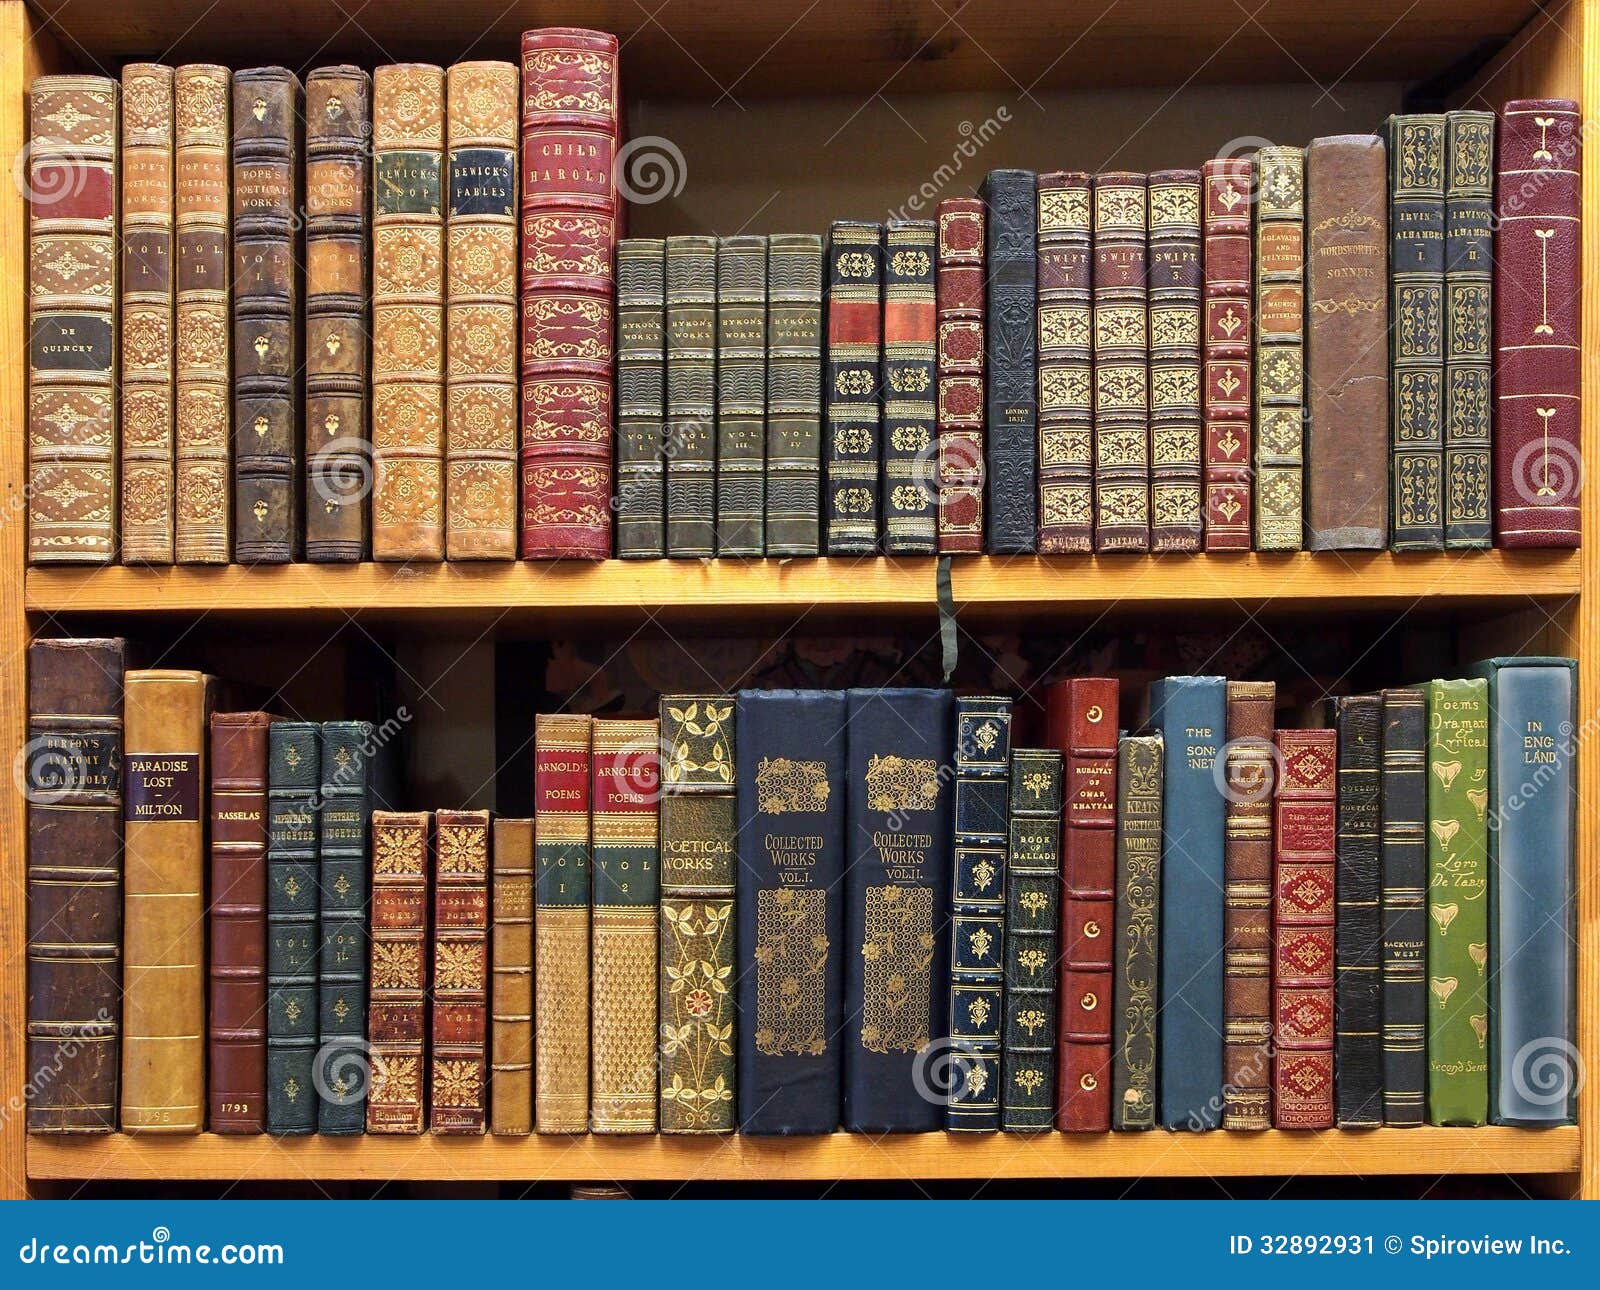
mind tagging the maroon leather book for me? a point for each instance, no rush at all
(1121, 362)
(1538, 465)
(570, 106)
(959, 294)
(1225, 377)
(1081, 721)
(1066, 363)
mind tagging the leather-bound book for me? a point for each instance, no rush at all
(202, 195)
(910, 331)
(1347, 331)
(691, 449)
(641, 397)
(699, 748)
(458, 1060)
(267, 358)
(293, 905)
(73, 768)
(1140, 766)
(1280, 276)
(1121, 363)
(1534, 1072)
(164, 925)
(1468, 313)
(571, 102)
(978, 911)
(1066, 363)
(1177, 278)
(1081, 721)
(1458, 922)
(72, 309)
(741, 405)
(897, 904)
(853, 376)
(1247, 909)
(561, 769)
(1032, 942)
(1538, 461)
(790, 789)
(1416, 352)
(511, 980)
(338, 188)
(624, 963)
(237, 1086)
(481, 312)
(1358, 935)
(1303, 867)
(145, 328)
(402, 872)
(408, 337)
(1404, 855)
(1011, 403)
(794, 393)
(958, 300)
(1225, 378)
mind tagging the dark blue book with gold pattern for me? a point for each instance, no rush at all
(1033, 941)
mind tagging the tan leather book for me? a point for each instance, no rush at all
(408, 260)
(511, 984)
(165, 719)
(460, 1067)
(481, 314)
(396, 1017)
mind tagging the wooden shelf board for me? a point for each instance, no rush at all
(841, 1156)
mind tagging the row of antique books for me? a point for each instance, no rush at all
(787, 911)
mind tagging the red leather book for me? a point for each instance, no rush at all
(570, 106)
(1081, 721)
(1226, 375)
(959, 293)
(1302, 934)
(1538, 465)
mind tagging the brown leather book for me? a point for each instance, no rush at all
(511, 982)
(1177, 429)
(163, 976)
(396, 1010)
(1247, 907)
(238, 970)
(1347, 344)
(1121, 363)
(145, 332)
(1066, 363)
(72, 768)
(408, 313)
(459, 1063)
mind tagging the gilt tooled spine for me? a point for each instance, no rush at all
(1138, 918)
(1121, 363)
(794, 393)
(571, 102)
(74, 883)
(1468, 314)
(458, 1065)
(641, 397)
(511, 980)
(958, 298)
(292, 926)
(1066, 363)
(853, 377)
(1247, 907)
(741, 395)
(910, 491)
(402, 873)
(1404, 851)
(1358, 935)
(1011, 408)
(691, 453)
(1176, 276)
(72, 314)
(1280, 276)
(1032, 942)
(1225, 379)
(267, 266)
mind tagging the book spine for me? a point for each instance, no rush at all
(1177, 276)
(1280, 276)
(1011, 405)
(402, 872)
(910, 342)
(237, 1032)
(145, 331)
(480, 507)
(699, 742)
(1468, 310)
(1247, 911)
(794, 393)
(691, 455)
(1066, 363)
(1417, 344)
(72, 767)
(164, 928)
(1458, 923)
(511, 980)
(562, 762)
(202, 190)
(790, 795)
(854, 375)
(1081, 721)
(293, 782)
(337, 218)
(1358, 935)
(571, 101)
(267, 267)
(1121, 363)
(1226, 380)
(958, 300)
(978, 911)
(741, 404)
(641, 397)
(458, 1080)
(1404, 849)
(408, 286)
(72, 317)
(1032, 942)
(1138, 918)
